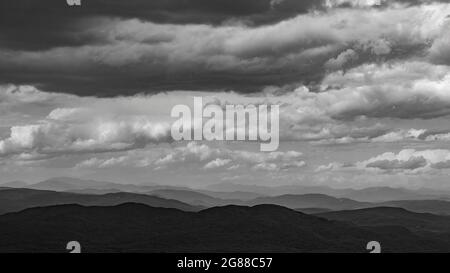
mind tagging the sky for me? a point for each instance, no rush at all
(363, 88)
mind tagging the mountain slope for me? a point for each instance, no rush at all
(383, 216)
(313, 210)
(192, 197)
(384, 194)
(319, 201)
(139, 228)
(234, 195)
(373, 194)
(441, 207)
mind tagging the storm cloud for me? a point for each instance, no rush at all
(118, 48)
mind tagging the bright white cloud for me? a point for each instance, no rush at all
(210, 158)
(408, 161)
(217, 163)
(341, 60)
(353, 3)
(97, 135)
(70, 124)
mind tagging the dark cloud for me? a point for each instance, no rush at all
(33, 26)
(30, 24)
(104, 81)
(116, 47)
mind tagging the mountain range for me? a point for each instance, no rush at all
(236, 191)
(15, 199)
(371, 194)
(138, 228)
(113, 217)
(12, 200)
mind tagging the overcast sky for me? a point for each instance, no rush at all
(363, 88)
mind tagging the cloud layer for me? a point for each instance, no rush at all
(206, 158)
(408, 161)
(362, 85)
(119, 54)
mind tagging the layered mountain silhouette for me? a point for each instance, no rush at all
(112, 217)
(193, 197)
(68, 184)
(310, 201)
(139, 228)
(313, 210)
(12, 200)
(373, 194)
(321, 201)
(236, 191)
(383, 194)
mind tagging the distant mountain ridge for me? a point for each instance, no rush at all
(68, 184)
(321, 201)
(193, 197)
(12, 200)
(238, 191)
(372, 194)
(196, 199)
(73, 184)
(310, 201)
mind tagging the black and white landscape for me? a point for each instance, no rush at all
(110, 217)
(87, 154)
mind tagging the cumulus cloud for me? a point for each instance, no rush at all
(96, 136)
(211, 158)
(343, 72)
(410, 164)
(348, 110)
(399, 90)
(70, 124)
(201, 156)
(103, 163)
(217, 163)
(334, 166)
(353, 3)
(380, 134)
(354, 106)
(439, 51)
(408, 161)
(341, 60)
